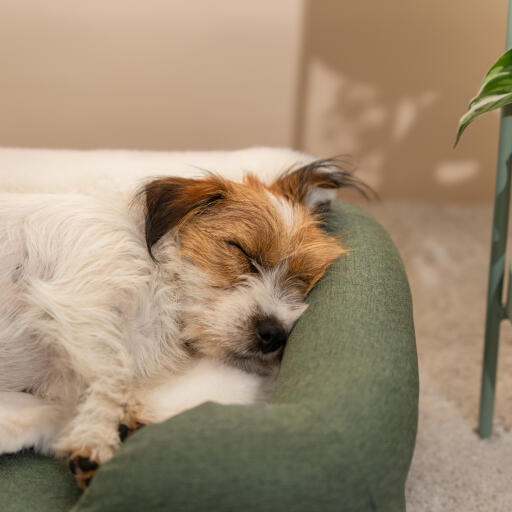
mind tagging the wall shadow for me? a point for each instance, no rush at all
(400, 75)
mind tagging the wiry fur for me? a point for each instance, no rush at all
(102, 301)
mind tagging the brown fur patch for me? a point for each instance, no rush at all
(226, 227)
(247, 227)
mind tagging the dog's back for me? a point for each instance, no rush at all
(22, 359)
(59, 255)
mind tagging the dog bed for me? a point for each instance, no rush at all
(338, 433)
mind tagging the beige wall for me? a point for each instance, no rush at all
(385, 81)
(161, 74)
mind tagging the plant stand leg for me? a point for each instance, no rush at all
(495, 309)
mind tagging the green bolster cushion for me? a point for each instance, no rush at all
(338, 434)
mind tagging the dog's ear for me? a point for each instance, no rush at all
(171, 201)
(315, 184)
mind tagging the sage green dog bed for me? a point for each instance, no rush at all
(338, 434)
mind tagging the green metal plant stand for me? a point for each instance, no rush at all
(497, 308)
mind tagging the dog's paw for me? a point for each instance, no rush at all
(83, 468)
(134, 419)
(85, 459)
(126, 429)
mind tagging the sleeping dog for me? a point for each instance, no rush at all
(104, 301)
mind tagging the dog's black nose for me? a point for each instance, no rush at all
(271, 334)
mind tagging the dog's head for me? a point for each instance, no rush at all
(262, 248)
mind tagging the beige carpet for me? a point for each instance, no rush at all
(446, 254)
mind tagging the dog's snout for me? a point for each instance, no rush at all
(271, 334)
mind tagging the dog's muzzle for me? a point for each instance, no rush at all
(271, 335)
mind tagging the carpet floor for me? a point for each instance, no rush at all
(446, 254)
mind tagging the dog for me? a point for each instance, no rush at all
(103, 301)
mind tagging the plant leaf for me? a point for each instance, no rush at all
(495, 92)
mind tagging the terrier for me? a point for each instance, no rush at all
(103, 301)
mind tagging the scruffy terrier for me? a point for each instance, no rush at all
(103, 300)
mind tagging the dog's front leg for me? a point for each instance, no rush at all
(92, 436)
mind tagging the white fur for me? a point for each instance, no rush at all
(285, 210)
(29, 421)
(206, 380)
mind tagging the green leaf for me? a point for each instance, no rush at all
(495, 92)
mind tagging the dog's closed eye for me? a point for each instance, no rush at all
(250, 260)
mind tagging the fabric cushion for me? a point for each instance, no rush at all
(338, 434)
(31, 482)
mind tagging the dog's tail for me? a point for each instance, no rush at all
(27, 421)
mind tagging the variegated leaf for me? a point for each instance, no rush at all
(495, 92)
